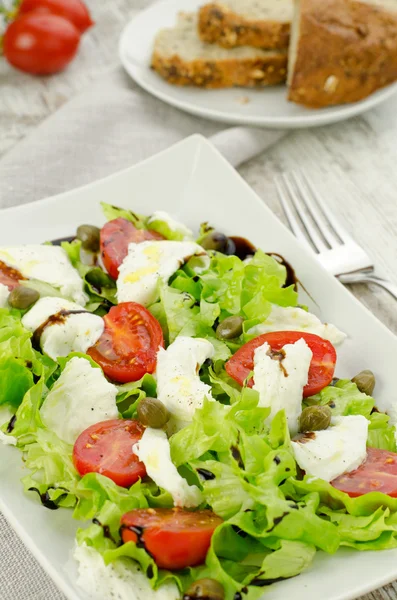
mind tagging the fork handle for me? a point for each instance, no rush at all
(362, 278)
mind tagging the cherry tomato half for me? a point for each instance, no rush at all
(106, 448)
(73, 10)
(115, 237)
(40, 44)
(321, 368)
(175, 538)
(9, 276)
(377, 474)
(127, 349)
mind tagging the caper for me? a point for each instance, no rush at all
(152, 413)
(315, 418)
(22, 297)
(206, 589)
(365, 381)
(89, 237)
(231, 327)
(215, 241)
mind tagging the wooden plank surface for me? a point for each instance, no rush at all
(352, 164)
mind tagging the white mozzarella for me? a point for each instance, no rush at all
(290, 318)
(122, 579)
(74, 333)
(174, 226)
(81, 397)
(178, 383)
(280, 383)
(148, 262)
(153, 449)
(337, 450)
(4, 293)
(50, 264)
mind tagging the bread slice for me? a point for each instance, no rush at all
(341, 50)
(183, 59)
(257, 23)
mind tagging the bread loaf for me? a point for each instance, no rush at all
(341, 50)
(257, 23)
(181, 58)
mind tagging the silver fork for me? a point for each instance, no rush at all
(317, 228)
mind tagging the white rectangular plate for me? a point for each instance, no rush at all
(194, 183)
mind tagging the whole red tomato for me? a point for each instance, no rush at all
(73, 10)
(40, 43)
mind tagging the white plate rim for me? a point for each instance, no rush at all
(314, 117)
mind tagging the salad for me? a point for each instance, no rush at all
(169, 390)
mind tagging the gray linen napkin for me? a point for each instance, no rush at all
(108, 127)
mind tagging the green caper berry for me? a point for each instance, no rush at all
(365, 381)
(230, 328)
(315, 418)
(215, 241)
(152, 413)
(89, 237)
(206, 589)
(23, 297)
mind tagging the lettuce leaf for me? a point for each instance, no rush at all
(20, 364)
(344, 398)
(114, 212)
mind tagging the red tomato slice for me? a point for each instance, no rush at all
(40, 43)
(73, 10)
(321, 369)
(9, 276)
(377, 474)
(106, 448)
(115, 237)
(175, 538)
(127, 349)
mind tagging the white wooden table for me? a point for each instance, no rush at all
(354, 164)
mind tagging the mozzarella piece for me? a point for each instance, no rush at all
(174, 226)
(153, 449)
(81, 397)
(280, 383)
(73, 332)
(296, 319)
(178, 383)
(148, 262)
(122, 579)
(337, 450)
(4, 293)
(50, 264)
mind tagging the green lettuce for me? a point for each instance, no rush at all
(20, 364)
(114, 212)
(344, 398)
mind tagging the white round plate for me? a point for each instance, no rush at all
(266, 107)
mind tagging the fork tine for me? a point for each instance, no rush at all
(300, 209)
(308, 197)
(292, 220)
(338, 228)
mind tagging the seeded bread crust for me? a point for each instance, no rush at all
(219, 25)
(346, 50)
(221, 73)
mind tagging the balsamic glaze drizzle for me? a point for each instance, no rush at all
(106, 530)
(45, 498)
(11, 424)
(205, 474)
